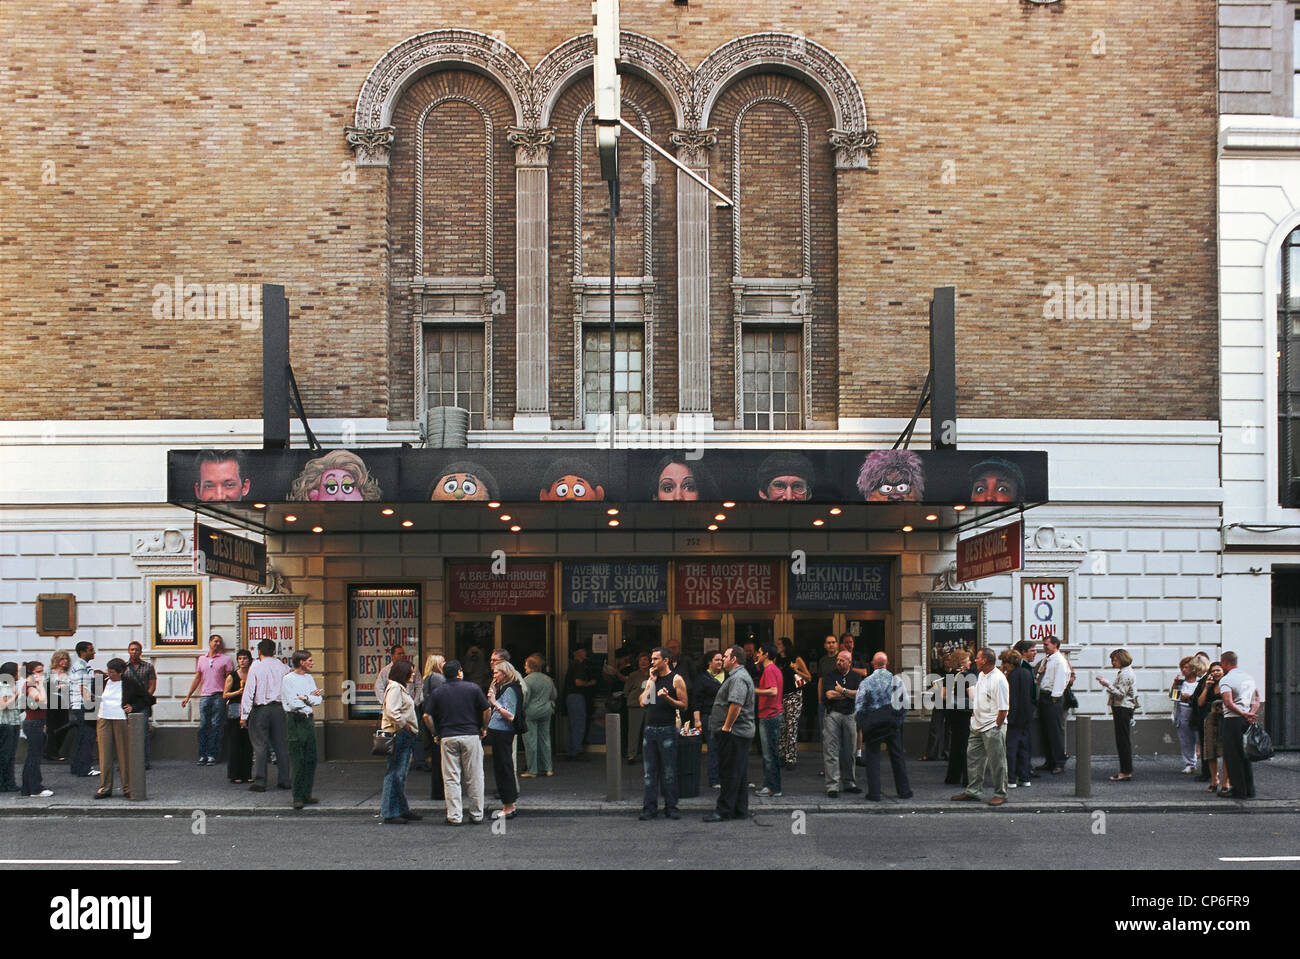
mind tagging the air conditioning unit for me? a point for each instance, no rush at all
(446, 427)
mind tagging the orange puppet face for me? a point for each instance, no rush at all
(573, 488)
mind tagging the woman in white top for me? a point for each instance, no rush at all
(398, 719)
(111, 733)
(1181, 692)
(1123, 701)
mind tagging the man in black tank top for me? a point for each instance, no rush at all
(663, 695)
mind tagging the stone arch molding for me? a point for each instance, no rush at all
(533, 92)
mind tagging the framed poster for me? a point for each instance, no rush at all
(954, 625)
(281, 623)
(378, 617)
(1045, 609)
(174, 618)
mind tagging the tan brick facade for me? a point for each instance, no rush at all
(1019, 146)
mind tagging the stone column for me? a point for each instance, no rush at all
(693, 204)
(532, 154)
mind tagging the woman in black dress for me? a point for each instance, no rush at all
(958, 693)
(239, 764)
(57, 713)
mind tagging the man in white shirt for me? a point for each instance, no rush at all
(299, 693)
(261, 711)
(988, 732)
(1240, 710)
(1051, 690)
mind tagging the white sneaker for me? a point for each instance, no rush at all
(45, 793)
(1011, 785)
(1189, 769)
(93, 772)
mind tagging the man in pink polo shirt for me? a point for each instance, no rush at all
(210, 675)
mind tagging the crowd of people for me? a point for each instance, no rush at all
(264, 710)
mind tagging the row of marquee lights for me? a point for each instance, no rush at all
(612, 512)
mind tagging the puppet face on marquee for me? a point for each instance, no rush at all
(459, 486)
(570, 487)
(336, 486)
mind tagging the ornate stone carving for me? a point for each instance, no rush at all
(947, 580)
(853, 148)
(276, 583)
(170, 542)
(533, 93)
(639, 54)
(693, 145)
(1045, 539)
(532, 145)
(371, 145)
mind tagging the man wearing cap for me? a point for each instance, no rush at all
(785, 476)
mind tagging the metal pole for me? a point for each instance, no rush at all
(137, 728)
(1082, 755)
(724, 200)
(613, 214)
(613, 757)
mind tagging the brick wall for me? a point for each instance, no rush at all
(1019, 146)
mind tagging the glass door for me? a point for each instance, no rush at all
(472, 643)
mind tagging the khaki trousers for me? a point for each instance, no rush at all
(462, 770)
(113, 743)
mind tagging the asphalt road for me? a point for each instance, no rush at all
(775, 841)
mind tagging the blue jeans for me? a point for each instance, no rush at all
(399, 764)
(83, 748)
(769, 733)
(659, 754)
(577, 707)
(212, 723)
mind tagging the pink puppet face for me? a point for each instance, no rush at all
(335, 485)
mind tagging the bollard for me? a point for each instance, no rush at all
(1082, 756)
(613, 755)
(137, 728)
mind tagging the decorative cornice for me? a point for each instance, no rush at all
(371, 145)
(532, 145)
(853, 148)
(693, 144)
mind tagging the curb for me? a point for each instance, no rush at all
(862, 808)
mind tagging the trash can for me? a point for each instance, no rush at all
(688, 766)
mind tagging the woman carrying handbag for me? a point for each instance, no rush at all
(399, 721)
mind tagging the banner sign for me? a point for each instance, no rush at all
(280, 626)
(228, 556)
(633, 476)
(990, 553)
(176, 615)
(522, 588)
(378, 617)
(828, 585)
(598, 586)
(1044, 609)
(719, 586)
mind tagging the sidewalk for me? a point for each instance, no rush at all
(353, 789)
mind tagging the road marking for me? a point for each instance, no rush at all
(1259, 859)
(89, 862)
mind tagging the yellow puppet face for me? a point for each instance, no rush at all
(459, 486)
